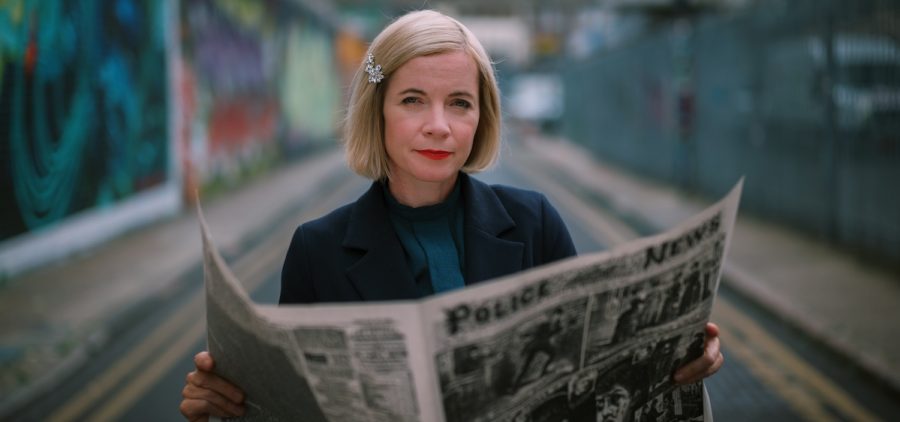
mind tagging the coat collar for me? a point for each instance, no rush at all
(382, 274)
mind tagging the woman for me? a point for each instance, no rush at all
(424, 112)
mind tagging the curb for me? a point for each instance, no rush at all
(743, 283)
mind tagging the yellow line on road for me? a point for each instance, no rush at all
(783, 370)
(150, 374)
(100, 387)
(174, 338)
(252, 269)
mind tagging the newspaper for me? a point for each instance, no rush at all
(595, 337)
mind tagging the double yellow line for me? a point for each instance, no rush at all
(142, 367)
(802, 386)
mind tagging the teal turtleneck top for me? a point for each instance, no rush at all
(432, 238)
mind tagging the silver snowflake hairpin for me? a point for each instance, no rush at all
(374, 71)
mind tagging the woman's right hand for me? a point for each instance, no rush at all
(206, 394)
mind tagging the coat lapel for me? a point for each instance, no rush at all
(487, 255)
(381, 273)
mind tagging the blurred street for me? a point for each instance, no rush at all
(119, 118)
(774, 370)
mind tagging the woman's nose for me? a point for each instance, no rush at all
(437, 124)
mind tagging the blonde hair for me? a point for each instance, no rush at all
(417, 34)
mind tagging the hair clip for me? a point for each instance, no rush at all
(374, 71)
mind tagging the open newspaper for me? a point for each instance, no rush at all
(594, 337)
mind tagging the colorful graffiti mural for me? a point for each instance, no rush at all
(83, 110)
(257, 80)
(92, 93)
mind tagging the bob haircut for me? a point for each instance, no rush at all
(416, 34)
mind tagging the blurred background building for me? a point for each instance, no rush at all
(114, 113)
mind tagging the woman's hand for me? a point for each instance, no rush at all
(707, 364)
(206, 394)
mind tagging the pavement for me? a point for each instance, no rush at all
(52, 318)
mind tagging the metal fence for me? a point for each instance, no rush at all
(801, 97)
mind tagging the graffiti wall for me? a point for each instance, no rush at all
(112, 112)
(258, 80)
(83, 113)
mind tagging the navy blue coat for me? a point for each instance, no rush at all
(353, 253)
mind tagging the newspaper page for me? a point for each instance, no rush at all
(315, 363)
(592, 338)
(595, 337)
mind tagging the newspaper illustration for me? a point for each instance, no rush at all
(592, 338)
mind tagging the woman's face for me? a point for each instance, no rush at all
(430, 117)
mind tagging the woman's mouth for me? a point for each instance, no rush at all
(433, 154)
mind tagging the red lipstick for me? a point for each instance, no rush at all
(433, 154)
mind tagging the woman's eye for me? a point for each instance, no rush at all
(410, 100)
(462, 103)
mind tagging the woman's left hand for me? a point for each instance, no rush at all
(707, 364)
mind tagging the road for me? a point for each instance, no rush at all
(771, 372)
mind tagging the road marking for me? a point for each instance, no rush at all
(783, 370)
(150, 374)
(805, 388)
(251, 268)
(100, 386)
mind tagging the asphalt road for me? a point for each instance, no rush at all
(771, 372)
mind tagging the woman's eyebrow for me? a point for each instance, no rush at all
(421, 92)
(461, 94)
(412, 91)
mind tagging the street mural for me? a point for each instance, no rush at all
(258, 79)
(86, 112)
(83, 108)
